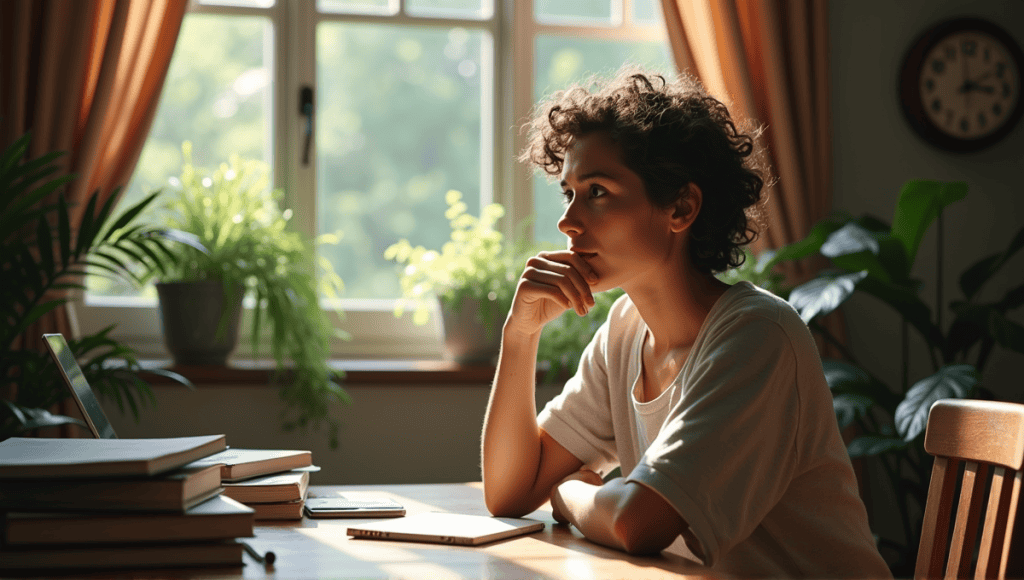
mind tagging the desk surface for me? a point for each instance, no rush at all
(320, 548)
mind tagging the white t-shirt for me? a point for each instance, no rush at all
(744, 445)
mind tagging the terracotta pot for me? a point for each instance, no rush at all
(190, 313)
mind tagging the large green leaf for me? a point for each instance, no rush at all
(855, 247)
(919, 204)
(950, 382)
(849, 406)
(823, 294)
(974, 277)
(29, 418)
(847, 378)
(805, 247)
(871, 445)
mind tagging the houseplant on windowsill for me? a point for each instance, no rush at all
(251, 252)
(45, 251)
(871, 257)
(474, 277)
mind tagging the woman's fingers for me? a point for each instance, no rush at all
(564, 276)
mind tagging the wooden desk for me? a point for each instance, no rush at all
(320, 548)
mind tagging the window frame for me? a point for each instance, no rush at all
(374, 330)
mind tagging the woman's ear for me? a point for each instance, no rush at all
(686, 207)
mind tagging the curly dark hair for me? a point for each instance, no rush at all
(671, 135)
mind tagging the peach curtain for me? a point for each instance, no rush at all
(768, 61)
(84, 76)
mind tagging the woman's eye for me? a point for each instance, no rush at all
(597, 191)
(566, 196)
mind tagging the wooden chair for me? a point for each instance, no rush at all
(983, 435)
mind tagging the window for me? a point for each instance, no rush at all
(411, 98)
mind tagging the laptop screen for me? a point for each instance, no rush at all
(80, 389)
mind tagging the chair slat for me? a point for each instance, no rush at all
(1016, 487)
(972, 488)
(984, 435)
(932, 553)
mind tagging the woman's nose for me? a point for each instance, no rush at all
(569, 224)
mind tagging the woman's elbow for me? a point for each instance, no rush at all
(640, 532)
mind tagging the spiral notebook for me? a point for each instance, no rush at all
(446, 528)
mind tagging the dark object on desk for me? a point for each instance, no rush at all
(228, 553)
(340, 507)
(28, 457)
(446, 528)
(215, 519)
(240, 464)
(176, 491)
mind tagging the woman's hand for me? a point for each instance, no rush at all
(557, 505)
(552, 283)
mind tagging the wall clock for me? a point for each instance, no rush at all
(960, 84)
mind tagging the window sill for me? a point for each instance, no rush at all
(357, 372)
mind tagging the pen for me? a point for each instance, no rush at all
(267, 560)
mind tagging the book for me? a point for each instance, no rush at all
(287, 510)
(175, 491)
(27, 457)
(239, 464)
(446, 528)
(225, 553)
(282, 487)
(217, 518)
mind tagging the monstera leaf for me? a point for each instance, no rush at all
(950, 382)
(824, 294)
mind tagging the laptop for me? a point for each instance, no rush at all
(95, 418)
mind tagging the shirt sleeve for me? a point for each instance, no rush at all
(579, 418)
(727, 451)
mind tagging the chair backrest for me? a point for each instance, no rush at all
(982, 435)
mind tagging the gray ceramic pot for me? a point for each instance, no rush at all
(190, 313)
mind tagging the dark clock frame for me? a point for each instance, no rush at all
(910, 88)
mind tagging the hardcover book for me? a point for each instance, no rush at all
(228, 553)
(239, 464)
(174, 491)
(38, 457)
(283, 487)
(215, 519)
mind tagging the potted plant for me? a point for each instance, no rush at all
(249, 250)
(45, 253)
(474, 277)
(874, 258)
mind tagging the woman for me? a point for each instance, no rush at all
(711, 398)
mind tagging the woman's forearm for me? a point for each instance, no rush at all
(511, 442)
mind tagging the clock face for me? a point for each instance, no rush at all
(969, 84)
(961, 84)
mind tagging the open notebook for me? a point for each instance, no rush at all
(445, 528)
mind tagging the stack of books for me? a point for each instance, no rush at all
(272, 482)
(116, 503)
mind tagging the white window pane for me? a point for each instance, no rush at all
(217, 95)
(647, 12)
(577, 11)
(476, 9)
(398, 125)
(561, 61)
(358, 6)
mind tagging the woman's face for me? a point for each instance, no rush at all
(609, 219)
